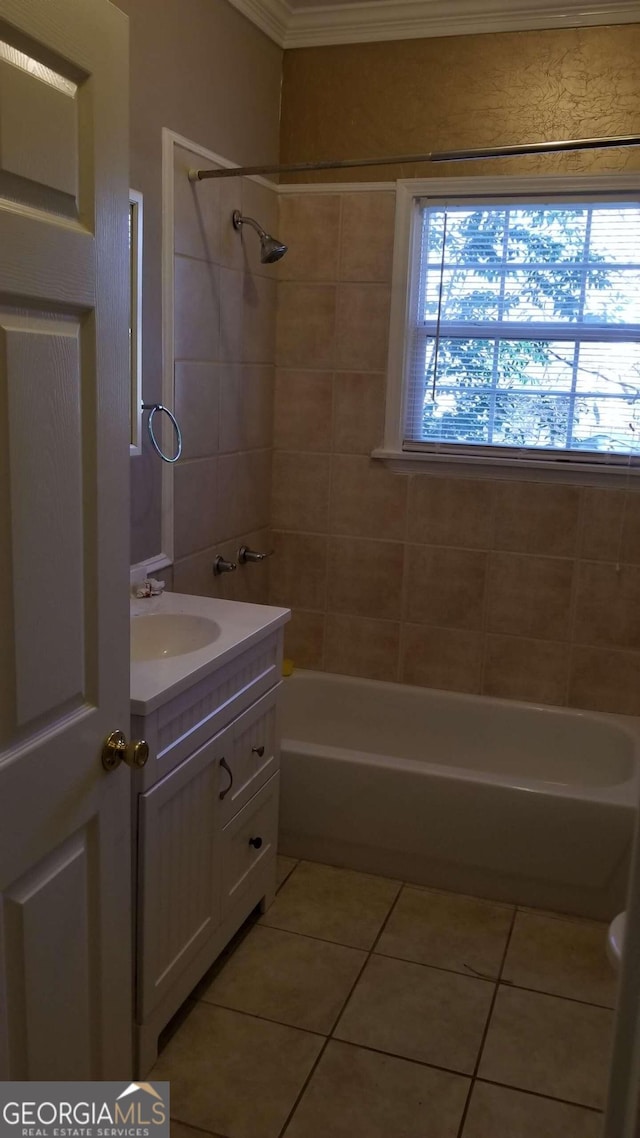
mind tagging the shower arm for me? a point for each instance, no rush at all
(558, 147)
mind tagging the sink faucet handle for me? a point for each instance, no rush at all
(221, 565)
(245, 555)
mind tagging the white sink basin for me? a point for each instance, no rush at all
(156, 636)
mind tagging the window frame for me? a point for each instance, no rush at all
(410, 194)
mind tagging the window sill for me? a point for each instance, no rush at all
(525, 469)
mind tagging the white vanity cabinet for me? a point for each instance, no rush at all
(206, 821)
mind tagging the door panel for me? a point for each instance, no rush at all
(51, 940)
(48, 115)
(40, 371)
(65, 901)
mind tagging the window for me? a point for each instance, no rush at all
(520, 336)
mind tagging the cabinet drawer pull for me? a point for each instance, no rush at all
(225, 766)
(257, 751)
(255, 842)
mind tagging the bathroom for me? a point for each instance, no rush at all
(516, 588)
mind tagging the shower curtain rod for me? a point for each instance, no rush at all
(436, 156)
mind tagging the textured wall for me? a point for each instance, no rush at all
(225, 307)
(362, 100)
(510, 588)
(202, 69)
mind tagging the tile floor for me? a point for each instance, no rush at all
(359, 1007)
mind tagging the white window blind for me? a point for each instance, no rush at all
(524, 329)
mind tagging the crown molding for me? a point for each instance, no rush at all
(364, 22)
(273, 17)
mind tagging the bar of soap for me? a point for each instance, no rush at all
(287, 667)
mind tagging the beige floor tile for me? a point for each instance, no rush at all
(447, 930)
(235, 1075)
(334, 904)
(418, 1013)
(545, 1044)
(289, 978)
(496, 1112)
(563, 958)
(285, 865)
(358, 1094)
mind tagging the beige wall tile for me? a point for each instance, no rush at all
(300, 499)
(304, 639)
(534, 670)
(605, 680)
(367, 499)
(231, 314)
(360, 646)
(298, 571)
(303, 410)
(231, 253)
(197, 310)
(537, 517)
(196, 210)
(529, 596)
(197, 397)
(244, 492)
(365, 577)
(196, 505)
(441, 658)
(259, 297)
(195, 575)
(362, 327)
(306, 325)
(445, 586)
(608, 605)
(358, 417)
(451, 511)
(246, 406)
(310, 225)
(366, 243)
(249, 582)
(611, 526)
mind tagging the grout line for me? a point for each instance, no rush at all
(341, 1012)
(262, 1018)
(538, 1094)
(474, 1076)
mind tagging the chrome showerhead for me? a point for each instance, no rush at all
(270, 248)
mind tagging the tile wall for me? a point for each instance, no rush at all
(518, 589)
(225, 307)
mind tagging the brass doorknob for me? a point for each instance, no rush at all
(116, 749)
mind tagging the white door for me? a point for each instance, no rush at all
(65, 953)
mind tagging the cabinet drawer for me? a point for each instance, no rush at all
(250, 758)
(247, 842)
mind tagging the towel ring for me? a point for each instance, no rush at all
(152, 408)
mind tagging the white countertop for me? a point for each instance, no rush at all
(154, 682)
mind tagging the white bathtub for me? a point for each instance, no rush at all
(500, 799)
